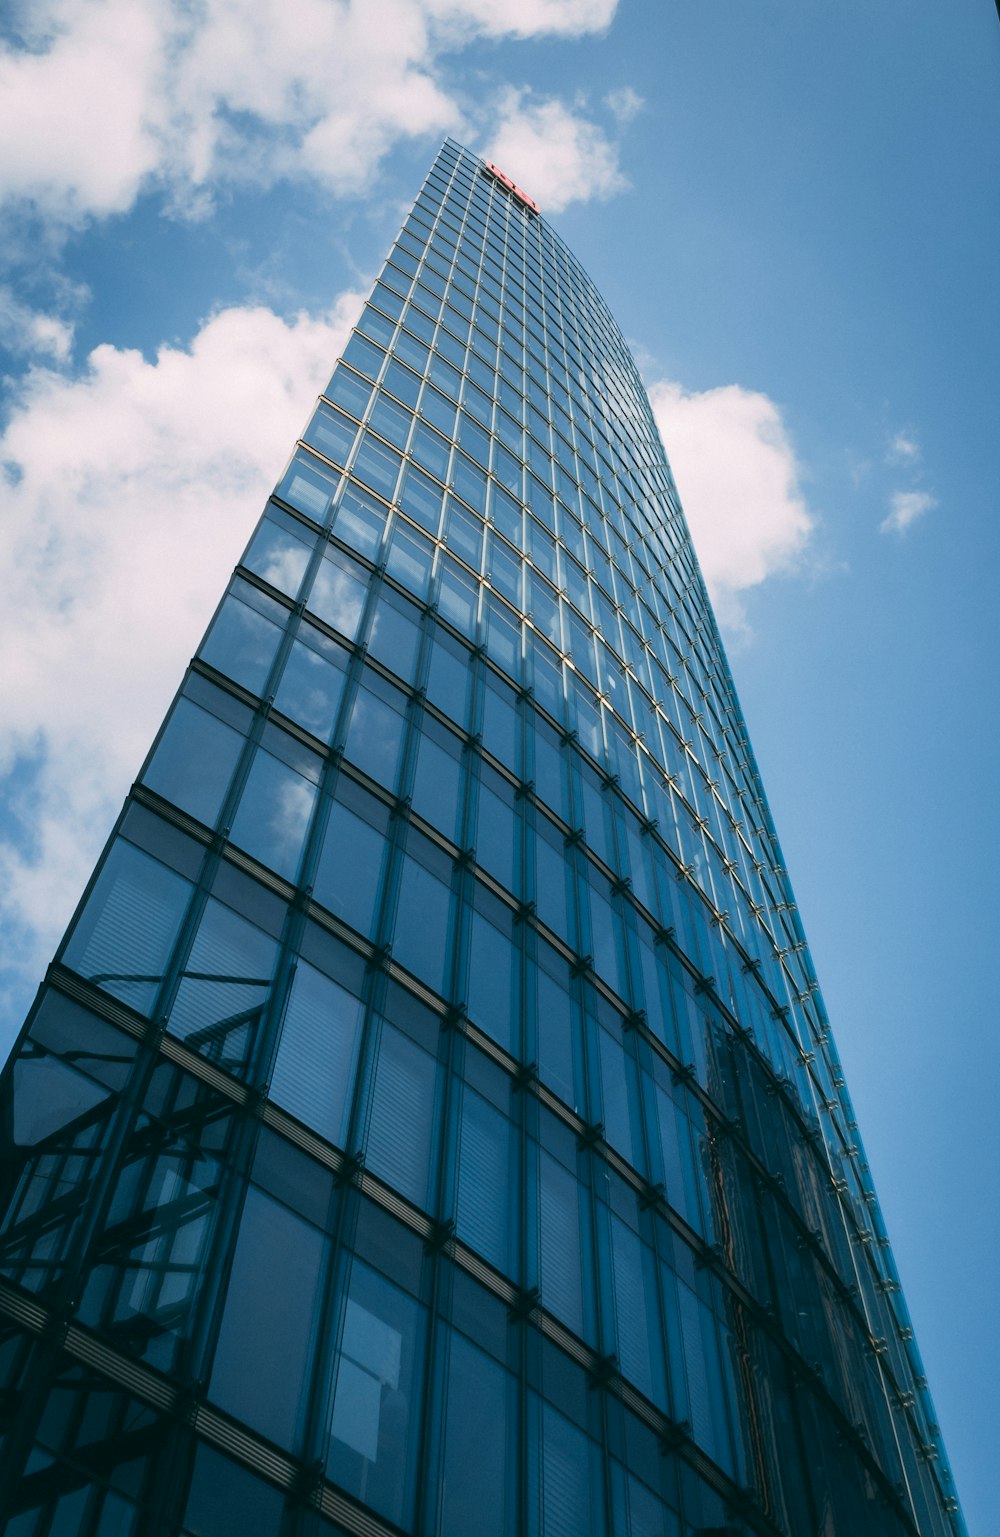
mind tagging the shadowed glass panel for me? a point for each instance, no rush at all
(123, 938)
(244, 636)
(313, 1073)
(376, 1395)
(260, 1372)
(225, 987)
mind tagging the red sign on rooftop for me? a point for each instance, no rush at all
(512, 186)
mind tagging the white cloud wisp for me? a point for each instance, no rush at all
(739, 481)
(905, 507)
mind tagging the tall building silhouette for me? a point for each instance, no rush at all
(430, 1123)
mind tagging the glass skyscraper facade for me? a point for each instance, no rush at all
(430, 1123)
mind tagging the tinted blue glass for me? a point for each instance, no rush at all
(277, 1255)
(409, 560)
(375, 734)
(338, 591)
(377, 466)
(312, 681)
(348, 390)
(225, 987)
(280, 551)
(492, 968)
(226, 1500)
(420, 938)
(377, 1384)
(400, 1114)
(560, 1255)
(309, 485)
(332, 433)
(348, 874)
(458, 597)
(123, 938)
(394, 638)
(555, 1032)
(360, 520)
(485, 1177)
(420, 498)
(317, 1056)
(476, 1484)
(244, 636)
(273, 814)
(449, 677)
(497, 828)
(437, 783)
(194, 761)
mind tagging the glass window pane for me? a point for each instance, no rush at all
(348, 390)
(377, 1387)
(477, 1489)
(400, 1115)
(226, 1501)
(377, 466)
(360, 520)
(125, 934)
(349, 872)
(308, 485)
(225, 987)
(244, 636)
(394, 638)
(421, 499)
(410, 559)
(485, 1180)
(279, 551)
(338, 593)
(312, 681)
(261, 1361)
(437, 783)
(313, 1073)
(375, 734)
(560, 1253)
(273, 814)
(420, 939)
(331, 432)
(194, 761)
(493, 962)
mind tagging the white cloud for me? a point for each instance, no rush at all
(78, 129)
(33, 332)
(110, 97)
(115, 478)
(739, 482)
(557, 156)
(902, 448)
(527, 18)
(905, 507)
(624, 104)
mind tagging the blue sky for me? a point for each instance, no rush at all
(792, 209)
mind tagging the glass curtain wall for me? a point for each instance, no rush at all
(430, 1122)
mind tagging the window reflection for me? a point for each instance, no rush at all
(225, 987)
(244, 636)
(126, 932)
(376, 1402)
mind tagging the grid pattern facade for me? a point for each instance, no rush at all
(430, 1122)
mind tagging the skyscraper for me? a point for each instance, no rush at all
(430, 1122)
